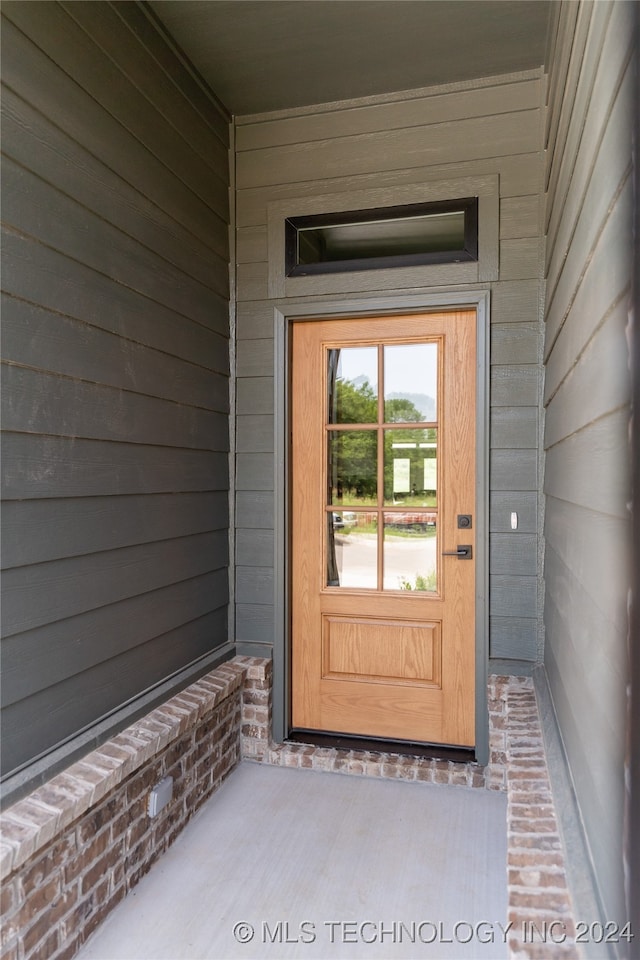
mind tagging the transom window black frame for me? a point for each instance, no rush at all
(467, 251)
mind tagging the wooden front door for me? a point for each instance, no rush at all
(383, 495)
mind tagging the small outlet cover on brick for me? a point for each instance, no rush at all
(160, 796)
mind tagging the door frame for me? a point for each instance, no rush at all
(285, 314)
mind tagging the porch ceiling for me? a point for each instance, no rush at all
(262, 55)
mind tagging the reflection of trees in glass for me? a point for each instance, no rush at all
(416, 456)
(401, 411)
(354, 465)
(356, 404)
(353, 453)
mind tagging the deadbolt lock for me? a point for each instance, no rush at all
(464, 521)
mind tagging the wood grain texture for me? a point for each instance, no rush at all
(254, 510)
(47, 215)
(254, 433)
(587, 473)
(69, 706)
(339, 150)
(515, 343)
(43, 403)
(254, 584)
(514, 469)
(40, 594)
(590, 468)
(512, 428)
(44, 85)
(116, 369)
(32, 140)
(254, 548)
(41, 275)
(520, 174)
(70, 46)
(254, 471)
(598, 382)
(512, 596)
(514, 638)
(142, 24)
(47, 341)
(354, 654)
(87, 639)
(36, 531)
(254, 394)
(254, 624)
(43, 466)
(502, 505)
(461, 140)
(434, 108)
(513, 554)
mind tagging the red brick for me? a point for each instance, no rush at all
(534, 825)
(137, 831)
(49, 919)
(532, 876)
(9, 897)
(100, 868)
(45, 949)
(141, 782)
(11, 952)
(85, 857)
(545, 842)
(531, 810)
(38, 900)
(57, 855)
(102, 912)
(94, 822)
(69, 948)
(551, 901)
(534, 858)
(135, 812)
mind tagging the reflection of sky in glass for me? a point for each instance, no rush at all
(411, 368)
(408, 367)
(357, 362)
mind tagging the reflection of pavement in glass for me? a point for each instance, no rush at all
(404, 559)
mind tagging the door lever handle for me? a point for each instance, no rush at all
(463, 552)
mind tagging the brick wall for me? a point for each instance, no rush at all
(75, 847)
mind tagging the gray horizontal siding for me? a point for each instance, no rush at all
(587, 393)
(116, 370)
(470, 138)
(44, 340)
(82, 642)
(73, 706)
(492, 128)
(33, 533)
(36, 467)
(46, 85)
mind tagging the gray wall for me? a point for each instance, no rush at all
(115, 381)
(587, 390)
(386, 150)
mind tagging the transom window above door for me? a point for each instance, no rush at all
(400, 236)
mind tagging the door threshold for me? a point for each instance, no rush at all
(403, 748)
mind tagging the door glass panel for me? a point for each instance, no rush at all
(410, 551)
(352, 550)
(410, 467)
(353, 467)
(353, 385)
(410, 382)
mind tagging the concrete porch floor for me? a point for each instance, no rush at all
(302, 863)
